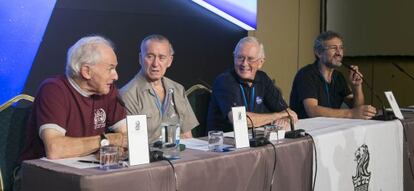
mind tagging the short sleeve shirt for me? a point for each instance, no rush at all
(140, 99)
(229, 91)
(309, 83)
(58, 102)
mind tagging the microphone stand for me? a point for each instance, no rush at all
(293, 133)
(402, 70)
(256, 141)
(384, 116)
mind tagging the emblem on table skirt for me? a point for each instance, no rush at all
(362, 176)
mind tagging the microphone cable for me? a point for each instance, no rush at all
(175, 173)
(159, 156)
(274, 165)
(265, 143)
(315, 159)
(251, 122)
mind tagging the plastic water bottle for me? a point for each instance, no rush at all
(170, 127)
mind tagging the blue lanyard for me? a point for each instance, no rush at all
(158, 102)
(245, 100)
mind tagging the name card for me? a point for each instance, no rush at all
(394, 105)
(241, 135)
(138, 150)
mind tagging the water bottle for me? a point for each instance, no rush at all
(170, 127)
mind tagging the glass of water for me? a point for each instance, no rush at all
(108, 157)
(215, 140)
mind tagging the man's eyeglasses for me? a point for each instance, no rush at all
(334, 48)
(241, 59)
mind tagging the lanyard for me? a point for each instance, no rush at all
(158, 102)
(245, 100)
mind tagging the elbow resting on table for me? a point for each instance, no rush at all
(52, 151)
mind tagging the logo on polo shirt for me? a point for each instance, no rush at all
(99, 118)
(259, 100)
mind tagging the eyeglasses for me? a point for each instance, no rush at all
(250, 60)
(334, 48)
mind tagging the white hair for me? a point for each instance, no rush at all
(84, 51)
(250, 39)
(155, 38)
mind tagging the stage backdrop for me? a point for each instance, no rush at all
(203, 41)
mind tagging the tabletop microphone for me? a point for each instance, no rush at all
(293, 133)
(384, 116)
(256, 141)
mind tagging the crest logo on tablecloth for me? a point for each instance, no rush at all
(362, 176)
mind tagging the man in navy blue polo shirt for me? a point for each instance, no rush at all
(319, 89)
(245, 85)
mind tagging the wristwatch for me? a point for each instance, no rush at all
(104, 140)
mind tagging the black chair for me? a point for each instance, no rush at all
(13, 121)
(199, 98)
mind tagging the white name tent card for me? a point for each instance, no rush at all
(394, 105)
(241, 135)
(138, 150)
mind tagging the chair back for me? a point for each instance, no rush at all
(14, 115)
(1, 181)
(199, 98)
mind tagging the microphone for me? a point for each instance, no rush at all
(256, 141)
(384, 116)
(402, 70)
(293, 133)
(156, 156)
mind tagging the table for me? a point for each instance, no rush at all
(408, 124)
(357, 154)
(244, 169)
(241, 170)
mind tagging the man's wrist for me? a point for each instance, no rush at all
(104, 140)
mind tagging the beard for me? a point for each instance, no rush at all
(332, 65)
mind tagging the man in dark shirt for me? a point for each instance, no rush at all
(246, 85)
(319, 89)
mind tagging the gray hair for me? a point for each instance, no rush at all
(319, 44)
(84, 51)
(157, 38)
(250, 39)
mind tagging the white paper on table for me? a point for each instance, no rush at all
(198, 144)
(74, 162)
